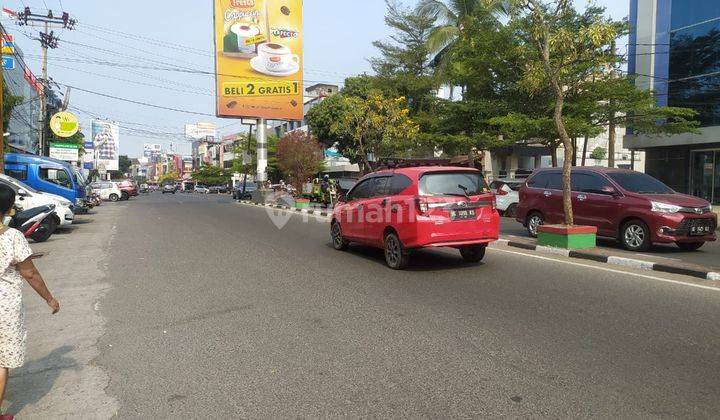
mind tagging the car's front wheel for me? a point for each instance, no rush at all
(114, 197)
(690, 246)
(396, 256)
(473, 253)
(534, 221)
(339, 242)
(635, 236)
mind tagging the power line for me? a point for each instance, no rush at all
(167, 108)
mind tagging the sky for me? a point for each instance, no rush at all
(338, 44)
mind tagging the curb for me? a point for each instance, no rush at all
(619, 261)
(321, 213)
(612, 260)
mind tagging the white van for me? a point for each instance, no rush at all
(28, 198)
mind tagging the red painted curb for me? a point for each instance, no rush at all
(567, 230)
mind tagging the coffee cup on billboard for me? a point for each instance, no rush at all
(277, 57)
(245, 31)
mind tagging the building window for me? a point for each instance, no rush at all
(691, 12)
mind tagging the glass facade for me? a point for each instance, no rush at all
(706, 175)
(695, 58)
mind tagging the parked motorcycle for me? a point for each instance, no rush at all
(35, 223)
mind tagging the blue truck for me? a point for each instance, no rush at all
(48, 175)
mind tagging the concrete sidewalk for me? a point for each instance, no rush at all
(60, 378)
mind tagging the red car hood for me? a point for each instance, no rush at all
(683, 200)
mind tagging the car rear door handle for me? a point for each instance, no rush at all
(547, 193)
(582, 197)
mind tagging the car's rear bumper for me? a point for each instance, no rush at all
(434, 232)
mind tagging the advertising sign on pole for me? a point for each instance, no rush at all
(259, 58)
(64, 124)
(106, 144)
(200, 130)
(65, 151)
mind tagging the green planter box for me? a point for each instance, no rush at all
(567, 237)
(302, 203)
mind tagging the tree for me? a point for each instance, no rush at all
(403, 66)
(211, 176)
(599, 153)
(124, 164)
(170, 177)
(375, 127)
(299, 156)
(563, 49)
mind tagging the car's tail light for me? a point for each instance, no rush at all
(422, 205)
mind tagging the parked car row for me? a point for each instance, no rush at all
(49, 185)
(405, 209)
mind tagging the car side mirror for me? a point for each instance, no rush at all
(342, 198)
(608, 190)
(22, 193)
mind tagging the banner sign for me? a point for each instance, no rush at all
(106, 144)
(259, 58)
(64, 124)
(65, 151)
(200, 130)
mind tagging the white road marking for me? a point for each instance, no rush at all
(609, 270)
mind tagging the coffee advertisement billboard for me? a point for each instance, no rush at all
(106, 145)
(258, 59)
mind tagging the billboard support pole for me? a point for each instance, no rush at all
(262, 152)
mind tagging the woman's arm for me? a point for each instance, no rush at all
(32, 275)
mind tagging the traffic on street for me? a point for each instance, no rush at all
(376, 209)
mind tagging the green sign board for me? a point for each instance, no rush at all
(65, 145)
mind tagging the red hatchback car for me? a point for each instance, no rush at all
(632, 207)
(128, 188)
(419, 207)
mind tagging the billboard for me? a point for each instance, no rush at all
(200, 131)
(259, 58)
(68, 152)
(106, 145)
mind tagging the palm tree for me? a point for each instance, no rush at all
(450, 16)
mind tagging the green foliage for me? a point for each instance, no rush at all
(251, 148)
(211, 176)
(599, 153)
(169, 178)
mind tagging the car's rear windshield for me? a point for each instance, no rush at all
(452, 183)
(640, 183)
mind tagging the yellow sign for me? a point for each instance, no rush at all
(259, 58)
(8, 50)
(64, 124)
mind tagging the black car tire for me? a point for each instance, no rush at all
(114, 197)
(125, 196)
(339, 242)
(690, 246)
(511, 211)
(473, 253)
(534, 220)
(396, 256)
(635, 236)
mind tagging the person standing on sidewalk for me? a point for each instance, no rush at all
(15, 265)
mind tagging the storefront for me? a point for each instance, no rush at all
(705, 174)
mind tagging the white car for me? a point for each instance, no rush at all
(201, 189)
(107, 190)
(506, 195)
(29, 198)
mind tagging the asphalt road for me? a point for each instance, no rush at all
(214, 312)
(708, 255)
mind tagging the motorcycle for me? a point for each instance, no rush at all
(35, 223)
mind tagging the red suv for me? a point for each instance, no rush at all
(128, 188)
(420, 207)
(632, 207)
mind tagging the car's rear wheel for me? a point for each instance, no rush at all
(511, 211)
(690, 246)
(635, 236)
(125, 196)
(114, 197)
(338, 240)
(474, 253)
(534, 221)
(396, 256)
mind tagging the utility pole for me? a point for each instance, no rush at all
(48, 40)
